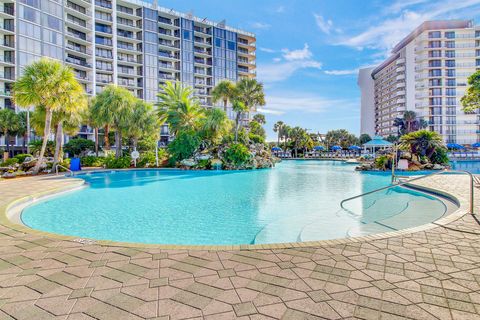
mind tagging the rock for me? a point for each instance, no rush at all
(414, 167)
(8, 175)
(428, 166)
(188, 162)
(437, 166)
(406, 155)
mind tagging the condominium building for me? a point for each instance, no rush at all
(427, 73)
(134, 44)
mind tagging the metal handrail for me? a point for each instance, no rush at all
(59, 165)
(471, 204)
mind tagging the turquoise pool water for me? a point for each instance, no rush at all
(296, 201)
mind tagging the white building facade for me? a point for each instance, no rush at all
(427, 73)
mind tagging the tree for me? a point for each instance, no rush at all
(250, 92)
(239, 108)
(115, 105)
(340, 137)
(78, 146)
(214, 125)
(92, 119)
(471, 100)
(178, 107)
(422, 142)
(23, 129)
(184, 145)
(9, 125)
(400, 124)
(51, 85)
(364, 138)
(143, 122)
(260, 118)
(226, 91)
(279, 127)
(297, 135)
(410, 120)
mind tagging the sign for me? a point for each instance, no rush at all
(135, 155)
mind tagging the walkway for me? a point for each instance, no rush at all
(430, 274)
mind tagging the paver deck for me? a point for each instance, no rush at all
(428, 274)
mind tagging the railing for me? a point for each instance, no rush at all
(59, 165)
(399, 184)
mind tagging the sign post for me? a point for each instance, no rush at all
(135, 155)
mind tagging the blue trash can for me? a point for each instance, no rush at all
(75, 164)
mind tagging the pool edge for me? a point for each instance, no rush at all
(79, 183)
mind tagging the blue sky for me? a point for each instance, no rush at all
(308, 51)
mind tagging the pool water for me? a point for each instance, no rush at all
(471, 166)
(295, 201)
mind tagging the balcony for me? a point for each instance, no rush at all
(128, 59)
(7, 76)
(103, 4)
(166, 76)
(78, 62)
(79, 49)
(9, 44)
(8, 10)
(5, 60)
(6, 93)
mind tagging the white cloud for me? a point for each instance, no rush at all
(278, 104)
(299, 54)
(268, 50)
(285, 66)
(341, 72)
(280, 9)
(260, 25)
(324, 24)
(388, 32)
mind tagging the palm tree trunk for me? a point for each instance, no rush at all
(118, 143)
(7, 142)
(58, 144)
(96, 141)
(24, 145)
(225, 101)
(237, 122)
(46, 133)
(106, 140)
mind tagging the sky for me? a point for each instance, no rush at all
(309, 51)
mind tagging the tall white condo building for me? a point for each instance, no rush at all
(426, 73)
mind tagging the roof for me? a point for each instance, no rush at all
(377, 141)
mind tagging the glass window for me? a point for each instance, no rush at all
(29, 14)
(29, 29)
(186, 35)
(32, 3)
(450, 34)
(52, 22)
(151, 14)
(231, 45)
(151, 37)
(434, 34)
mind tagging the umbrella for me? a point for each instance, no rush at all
(476, 145)
(455, 146)
(319, 148)
(354, 148)
(335, 148)
(276, 149)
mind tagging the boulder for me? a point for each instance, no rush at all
(188, 162)
(437, 166)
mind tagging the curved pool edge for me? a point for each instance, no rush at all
(15, 206)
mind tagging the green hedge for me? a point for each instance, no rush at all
(120, 163)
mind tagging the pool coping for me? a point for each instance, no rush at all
(8, 219)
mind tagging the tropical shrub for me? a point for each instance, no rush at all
(92, 161)
(440, 156)
(203, 164)
(255, 138)
(147, 159)
(36, 146)
(79, 146)
(118, 163)
(183, 146)
(381, 162)
(422, 142)
(21, 157)
(237, 155)
(9, 162)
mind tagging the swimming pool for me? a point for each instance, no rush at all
(295, 201)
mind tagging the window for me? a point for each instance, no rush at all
(450, 92)
(105, 53)
(450, 53)
(186, 35)
(231, 45)
(450, 63)
(451, 101)
(32, 3)
(450, 73)
(435, 54)
(434, 44)
(151, 37)
(435, 101)
(52, 51)
(450, 44)
(29, 14)
(52, 22)
(433, 92)
(435, 82)
(435, 63)
(29, 29)
(450, 34)
(103, 16)
(150, 14)
(52, 37)
(450, 82)
(435, 73)
(434, 34)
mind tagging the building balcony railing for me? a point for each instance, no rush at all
(6, 92)
(128, 59)
(79, 49)
(78, 62)
(7, 60)
(7, 10)
(166, 76)
(7, 76)
(10, 44)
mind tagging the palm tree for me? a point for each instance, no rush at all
(179, 108)
(422, 142)
(286, 134)
(23, 129)
(250, 92)
(115, 106)
(260, 118)
(297, 134)
(410, 119)
(215, 125)
(9, 124)
(143, 121)
(226, 91)
(239, 108)
(51, 85)
(400, 124)
(278, 128)
(91, 118)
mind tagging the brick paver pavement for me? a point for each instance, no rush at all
(431, 274)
